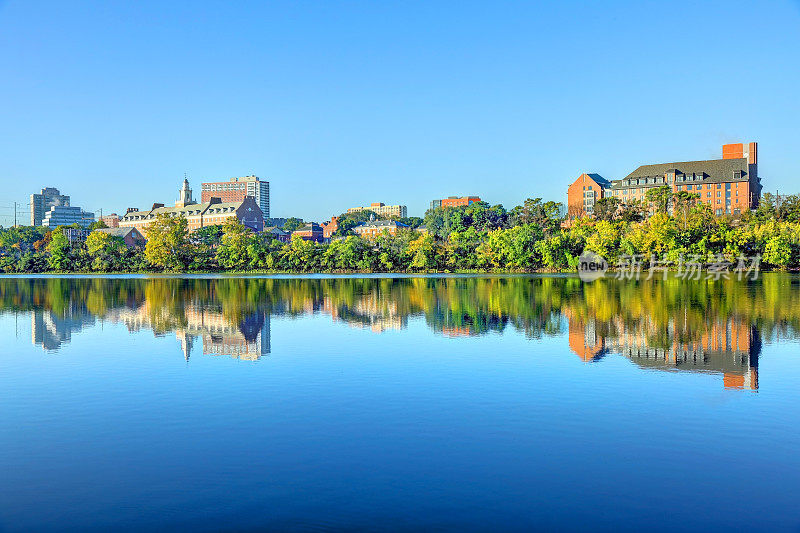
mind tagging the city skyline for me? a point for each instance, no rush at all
(418, 104)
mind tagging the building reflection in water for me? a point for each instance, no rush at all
(248, 338)
(729, 347)
(50, 331)
(697, 327)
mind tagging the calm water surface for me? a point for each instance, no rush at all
(461, 403)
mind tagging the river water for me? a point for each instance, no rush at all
(400, 403)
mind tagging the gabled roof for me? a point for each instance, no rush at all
(119, 232)
(276, 230)
(714, 170)
(598, 178)
(205, 208)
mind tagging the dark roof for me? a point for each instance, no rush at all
(713, 171)
(312, 226)
(206, 208)
(118, 232)
(598, 178)
(276, 230)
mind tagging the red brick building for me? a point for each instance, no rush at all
(329, 228)
(730, 186)
(236, 189)
(310, 232)
(454, 201)
(198, 215)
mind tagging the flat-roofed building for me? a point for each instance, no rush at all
(455, 201)
(235, 190)
(112, 220)
(379, 208)
(62, 215)
(42, 202)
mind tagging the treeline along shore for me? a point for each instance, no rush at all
(475, 238)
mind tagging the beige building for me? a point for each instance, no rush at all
(383, 210)
(198, 215)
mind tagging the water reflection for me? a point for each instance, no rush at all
(666, 325)
(729, 347)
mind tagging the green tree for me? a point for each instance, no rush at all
(168, 245)
(239, 247)
(607, 208)
(292, 224)
(105, 250)
(59, 249)
(660, 197)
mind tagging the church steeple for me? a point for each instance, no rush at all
(185, 195)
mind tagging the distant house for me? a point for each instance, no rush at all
(373, 228)
(421, 229)
(276, 233)
(310, 232)
(133, 237)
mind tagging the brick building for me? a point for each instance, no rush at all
(583, 193)
(131, 236)
(112, 220)
(310, 232)
(730, 186)
(329, 228)
(454, 201)
(373, 228)
(198, 215)
(236, 189)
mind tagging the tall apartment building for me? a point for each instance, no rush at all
(729, 185)
(383, 210)
(43, 201)
(454, 201)
(235, 190)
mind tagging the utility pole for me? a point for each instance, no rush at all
(15, 214)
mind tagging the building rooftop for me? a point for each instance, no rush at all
(382, 224)
(713, 171)
(187, 210)
(118, 232)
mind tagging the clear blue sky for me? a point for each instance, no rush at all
(345, 103)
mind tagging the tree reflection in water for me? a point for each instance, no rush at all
(701, 326)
